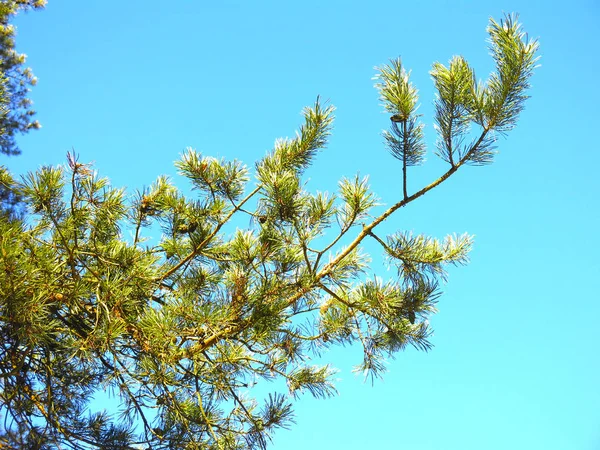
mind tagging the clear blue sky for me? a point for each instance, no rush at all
(516, 364)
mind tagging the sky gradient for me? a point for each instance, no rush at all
(129, 85)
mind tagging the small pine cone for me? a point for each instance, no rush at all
(398, 118)
(411, 317)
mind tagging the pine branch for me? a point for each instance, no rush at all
(198, 248)
(367, 229)
(206, 313)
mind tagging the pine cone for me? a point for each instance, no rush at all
(411, 317)
(398, 118)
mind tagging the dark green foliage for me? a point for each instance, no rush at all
(181, 327)
(16, 115)
(19, 77)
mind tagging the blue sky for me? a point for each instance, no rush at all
(130, 85)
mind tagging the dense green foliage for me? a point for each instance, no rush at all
(182, 327)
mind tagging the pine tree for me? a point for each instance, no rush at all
(183, 329)
(19, 77)
(17, 116)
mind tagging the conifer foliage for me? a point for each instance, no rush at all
(19, 78)
(182, 328)
(16, 113)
